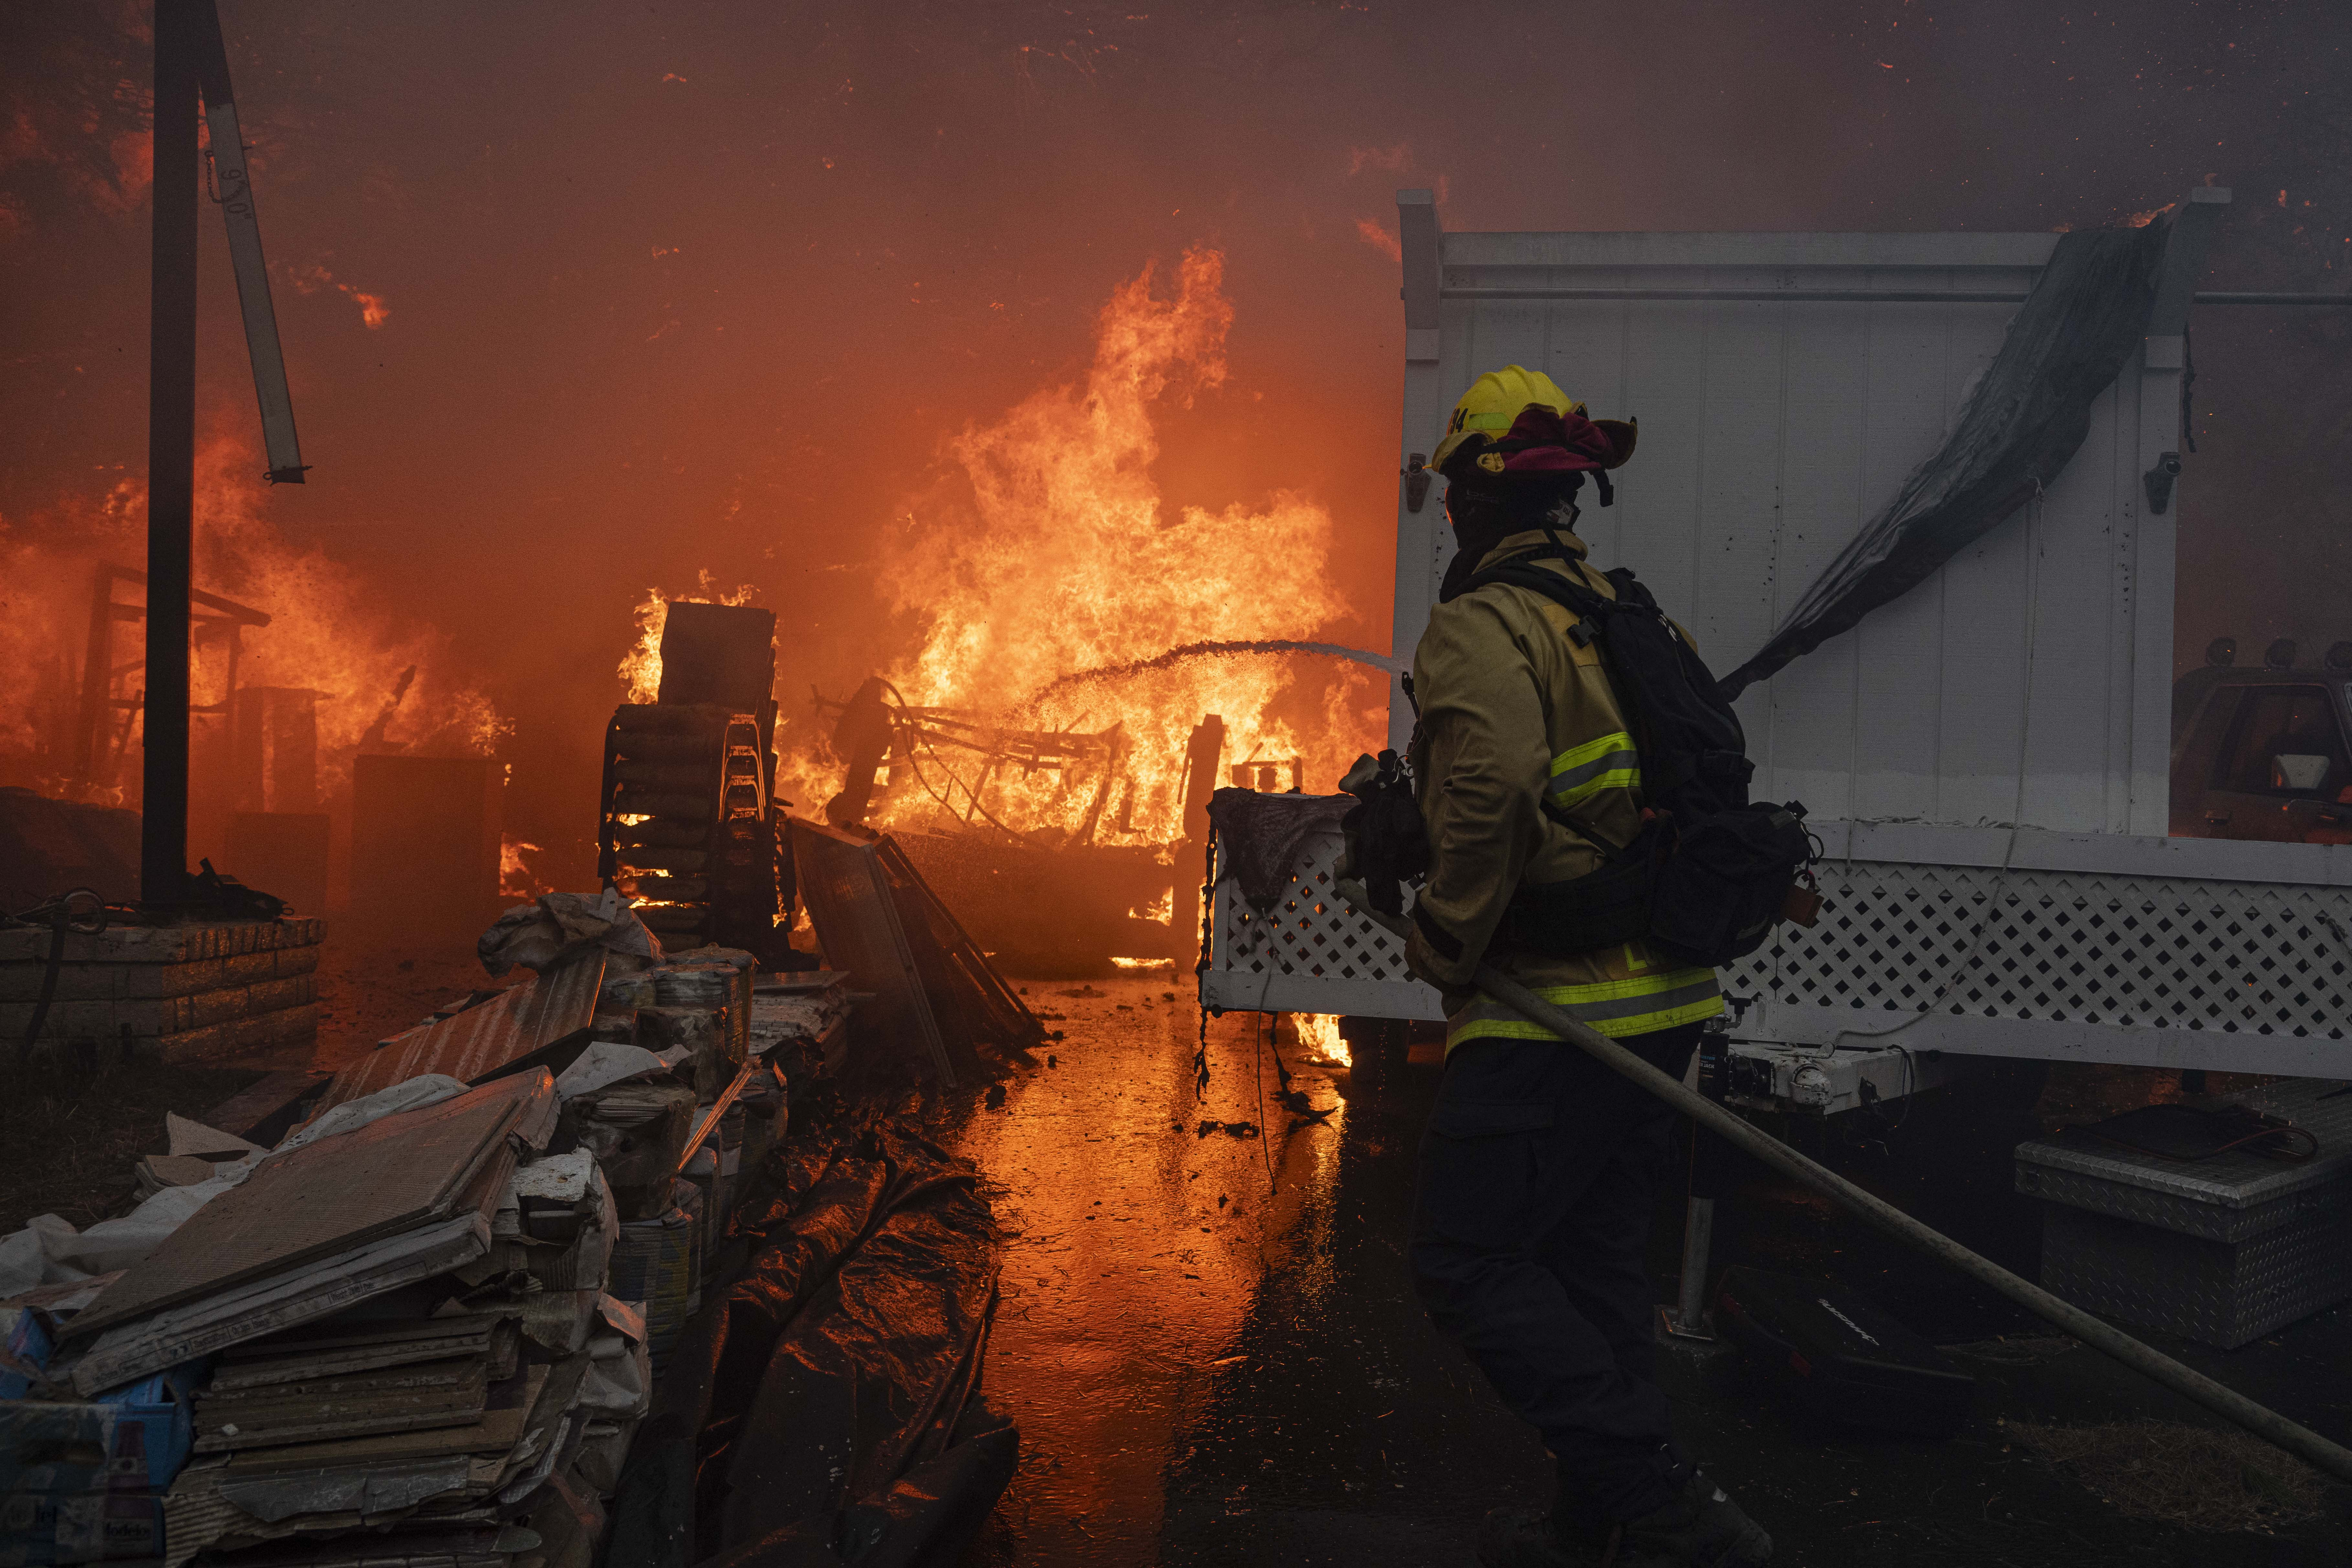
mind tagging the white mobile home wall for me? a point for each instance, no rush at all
(1986, 759)
(1771, 433)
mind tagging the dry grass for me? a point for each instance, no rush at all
(2189, 1476)
(69, 1137)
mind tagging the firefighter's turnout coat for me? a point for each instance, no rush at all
(1516, 714)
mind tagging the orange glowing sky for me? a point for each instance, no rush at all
(583, 298)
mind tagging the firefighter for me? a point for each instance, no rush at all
(1540, 1168)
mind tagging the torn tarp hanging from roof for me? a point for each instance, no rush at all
(2025, 419)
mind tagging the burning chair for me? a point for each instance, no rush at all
(688, 822)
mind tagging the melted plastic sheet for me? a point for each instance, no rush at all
(1260, 834)
(2025, 419)
(822, 1410)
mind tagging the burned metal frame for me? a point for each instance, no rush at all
(96, 740)
(915, 730)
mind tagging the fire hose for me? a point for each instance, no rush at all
(62, 915)
(2227, 1402)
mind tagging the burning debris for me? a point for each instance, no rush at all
(299, 671)
(688, 825)
(1061, 561)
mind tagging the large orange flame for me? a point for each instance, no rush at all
(328, 633)
(1066, 561)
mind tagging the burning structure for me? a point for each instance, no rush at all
(1045, 661)
(1080, 665)
(687, 823)
(1088, 662)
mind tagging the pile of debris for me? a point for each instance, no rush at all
(388, 1337)
(414, 1312)
(422, 1326)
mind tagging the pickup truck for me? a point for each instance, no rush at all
(2260, 754)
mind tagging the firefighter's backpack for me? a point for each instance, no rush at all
(1710, 874)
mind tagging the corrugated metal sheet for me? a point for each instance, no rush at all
(1771, 431)
(521, 1019)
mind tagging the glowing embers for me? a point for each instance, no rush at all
(516, 879)
(685, 827)
(1318, 1039)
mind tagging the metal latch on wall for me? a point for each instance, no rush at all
(1416, 481)
(2159, 481)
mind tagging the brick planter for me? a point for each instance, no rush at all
(205, 994)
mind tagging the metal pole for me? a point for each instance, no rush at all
(170, 459)
(2227, 1402)
(1698, 1238)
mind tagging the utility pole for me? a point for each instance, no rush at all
(191, 62)
(171, 458)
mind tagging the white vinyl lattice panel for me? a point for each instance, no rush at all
(1311, 953)
(2066, 947)
(2030, 947)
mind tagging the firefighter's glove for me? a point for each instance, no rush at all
(1387, 845)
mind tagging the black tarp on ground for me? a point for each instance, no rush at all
(2026, 418)
(822, 1409)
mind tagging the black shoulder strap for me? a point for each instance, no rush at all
(1586, 605)
(1570, 595)
(1630, 590)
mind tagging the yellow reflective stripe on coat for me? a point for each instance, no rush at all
(1609, 762)
(1615, 1007)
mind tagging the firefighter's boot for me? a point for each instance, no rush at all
(1524, 1538)
(1701, 1528)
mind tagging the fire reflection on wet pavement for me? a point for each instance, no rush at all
(1207, 1339)
(1212, 1349)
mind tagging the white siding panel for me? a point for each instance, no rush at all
(1921, 358)
(2074, 638)
(1655, 519)
(2123, 459)
(1770, 432)
(1730, 602)
(1801, 723)
(1983, 675)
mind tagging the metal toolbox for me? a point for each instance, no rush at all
(2220, 1250)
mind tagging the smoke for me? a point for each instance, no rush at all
(718, 288)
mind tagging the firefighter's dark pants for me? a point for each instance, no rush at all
(1539, 1175)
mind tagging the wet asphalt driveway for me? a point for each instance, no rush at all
(1211, 1348)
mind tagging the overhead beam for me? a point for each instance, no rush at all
(235, 197)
